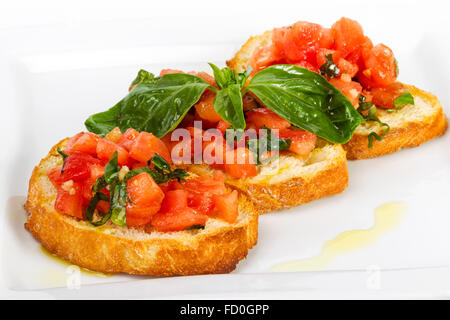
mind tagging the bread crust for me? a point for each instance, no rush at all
(212, 250)
(331, 177)
(409, 134)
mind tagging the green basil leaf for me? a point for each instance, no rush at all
(403, 100)
(153, 106)
(329, 68)
(307, 100)
(99, 184)
(160, 163)
(112, 169)
(143, 76)
(228, 104)
(119, 203)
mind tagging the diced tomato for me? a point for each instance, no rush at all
(96, 171)
(138, 215)
(69, 200)
(202, 203)
(239, 163)
(346, 67)
(178, 220)
(214, 152)
(380, 67)
(54, 174)
(326, 39)
(355, 56)
(302, 142)
(249, 102)
(143, 190)
(145, 147)
(350, 89)
(114, 135)
(227, 206)
(262, 57)
(106, 148)
(384, 97)
(103, 206)
(322, 54)
(77, 167)
(205, 107)
(302, 42)
(348, 36)
(84, 142)
(307, 65)
(265, 117)
(174, 200)
(207, 77)
(128, 138)
(206, 184)
(279, 36)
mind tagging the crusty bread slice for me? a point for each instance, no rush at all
(112, 249)
(410, 126)
(290, 180)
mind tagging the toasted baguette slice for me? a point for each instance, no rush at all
(291, 181)
(410, 126)
(112, 249)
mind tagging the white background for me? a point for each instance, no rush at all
(61, 60)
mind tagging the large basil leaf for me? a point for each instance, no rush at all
(228, 104)
(153, 106)
(307, 100)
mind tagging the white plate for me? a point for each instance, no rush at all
(55, 77)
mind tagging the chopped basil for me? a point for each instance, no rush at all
(371, 116)
(403, 100)
(64, 156)
(266, 142)
(329, 68)
(195, 226)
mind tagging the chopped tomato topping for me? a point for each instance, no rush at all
(145, 147)
(114, 135)
(178, 220)
(143, 190)
(77, 167)
(239, 163)
(322, 56)
(227, 206)
(265, 117)
(54, 174)
(174, 200)
(128, 138)
(138, 215)
(350, 89)
(346, 67)
(69, 199)
(380, 67)
(384, 97)
(106, 148)
(84, 142)
(205, 107)
(302, 142)
(348, 36)
(206, 184)
(302, 41)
